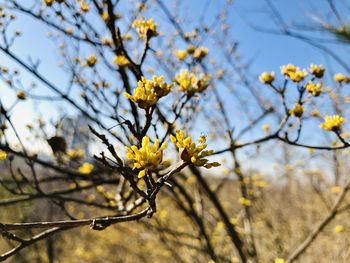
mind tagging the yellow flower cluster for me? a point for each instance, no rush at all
(84, 7)
(121, 61)
(86, 168)
(267, 77)
(332, 123)
(200, 52)
(21, 95)
(314, 89)
(245, 201)
(145, 28)
(191, 152)
(91, 60)
(190, 84)
(317, 71)
(297, 110)
(3, 155)
(75, 153)
(148, 92)
(147, 157)
(294, 73)
(181, 54)
(341, 78)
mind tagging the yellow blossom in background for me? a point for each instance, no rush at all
(332, 123)
(75, 153)
(297, 110)
(3, 155)
(317, 71)
(21, 95)
(191, 48)
(84, 7)
(341, 78)
(145, 28)
(279, 260)
(105, 16)
(191, 152)
(190, 84)
(267, 77)
(91, 60)
(339, 229)
(294, 73)
(314, 89)
(86, 168)
(266, 128)
(146, 158)
(121, 61)
(200, 52)
(148, 92)
(48, 2)
(245, 201)
(335, 189)
(181, 54)
(315, 113)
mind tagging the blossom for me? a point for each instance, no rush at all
(267, 77)
(317, 71)
(191, 152)
(146, 158)
(332, 123)
(21, 95)
(294, 73)
(86, 168)
(145, 28)
(200, 52)
(339, 229)
(3, 155)
(84, 7)
(279, 260)
(148, 92)
(297, 110)
(341, 78)
(48, 2)
(190, 84)
(75, 153)
(314, 89)
(245, 201)
(181, 54)
(121, 60)
(91, 60)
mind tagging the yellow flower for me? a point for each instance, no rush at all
(191, 152)
(341, 78)
(105, 16)
(200, 52)
(148, 92)
(3, 155)
(332, 123)
(84, 7)
(339, 229)
(335, 189)
(294, 73)
(267, 77)
(181, 54)
(245, 201)
(190, 84)
(297, 110)
(191, 48)
(21, 95)
(145, 28)
(314, 89)
(266, 128)
(86, 168)
(147, 157)
(75, 153)
(317, 71)
(48, 2)
(91, 60)
(121, 61)
(279, 260)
